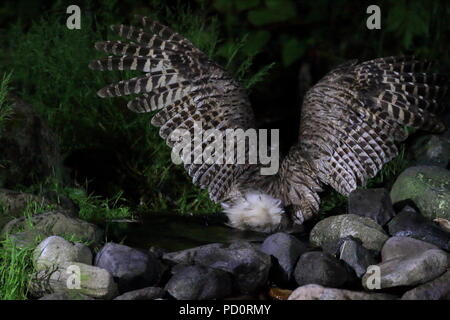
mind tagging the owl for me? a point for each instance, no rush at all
(350, 122)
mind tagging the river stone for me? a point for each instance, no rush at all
(149, 293)
(356, 256)
(55, 250)
(93, 281)
(438, 289)
(65, 296)
(431, 150)
(53, 223)
(411, 223)
(428, 187)
(13, 204)
(410, 270)
(249, 266)
(188, 256)
(286, 249)
(132, 268)
(371, 203)
(199, 283)
(318, 292)
(399, 247)
(29, 151)
(320, 268)
(333, 228)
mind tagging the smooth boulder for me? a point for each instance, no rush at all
(333, 228)
(55, 250)
(132, 268)
(428, 187)
(199, 283)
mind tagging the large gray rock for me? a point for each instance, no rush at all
(317, 292)
(74, 278)
(411, 223)
(408, 262)
(286, 249)
(29, 151)
(398, 247)
(356, 256)
(438, 289)
(371, 203)
(428, 187)
(58, 223)
(249, 266)
(333, 228)
(55, 250)
(66, 296)
(320, 268)
(199, 283)
(431, 150)
(188, 256)
(133, 268)
(149, 293)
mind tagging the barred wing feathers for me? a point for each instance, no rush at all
(185, 86)
(352, 118)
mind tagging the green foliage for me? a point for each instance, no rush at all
(5, 108)
(16, 267)
(95, 209)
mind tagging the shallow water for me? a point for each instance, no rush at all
(177, 232)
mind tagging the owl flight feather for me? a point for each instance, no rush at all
(351, 121)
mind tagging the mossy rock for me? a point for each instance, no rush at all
(25, 231)
(428, 187)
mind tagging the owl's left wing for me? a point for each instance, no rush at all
(351, 120)
(186, 88)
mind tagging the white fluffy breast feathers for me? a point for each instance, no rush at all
(255, 211)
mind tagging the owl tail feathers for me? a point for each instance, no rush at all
(255, 211)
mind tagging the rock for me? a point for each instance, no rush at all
(333, 228)
(149, 293)
(410, 223)
(431, 150)
(199, 283)
(13, 204)
(249, 266)
(398, 247)
(65, 296)
(133, 269)
(408, 262)
(286, 249)
(55, 250)
(57, 223)
(317, 292)
(320, 268)
(74, 278)
(356, 256)
(371, 203)
(29, 151)
(438, 289)
(188, 256)
(428, 187)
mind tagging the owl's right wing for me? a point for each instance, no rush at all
(186, 87)
(351, 120)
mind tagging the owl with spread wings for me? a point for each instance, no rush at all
(350, 123)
